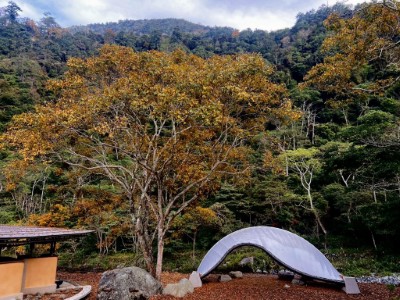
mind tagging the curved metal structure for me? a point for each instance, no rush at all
(288, 249)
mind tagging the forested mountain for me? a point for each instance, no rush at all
(139, 27)
(42, 48)
(328, 168)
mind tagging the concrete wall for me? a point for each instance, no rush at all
(11, 280)
(39, 275)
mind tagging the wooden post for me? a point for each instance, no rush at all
(52, 248)
(31, 248)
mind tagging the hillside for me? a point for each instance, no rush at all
(139, 27)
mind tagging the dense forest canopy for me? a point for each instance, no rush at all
(139, 129)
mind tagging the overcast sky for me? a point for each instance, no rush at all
(240, 14)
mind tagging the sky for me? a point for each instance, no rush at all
(240, 14)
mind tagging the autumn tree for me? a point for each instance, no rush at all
(164, 128)
(360, 76)
(362, 57)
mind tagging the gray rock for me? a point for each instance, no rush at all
(194, 278)
(179, 289)
(298, 276)
(236, 274)
(394, 279)
(130, 283)
(297, 282)
(247, 261)
(224, 278)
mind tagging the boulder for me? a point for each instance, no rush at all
(298, 280)
(236, 274)
(194, 278)
(130, 283)
(247, 261)
(224, 278)
(179, 289)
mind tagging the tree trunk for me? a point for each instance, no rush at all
(147, 255)
(315, 212)
(160, 253)
(373, 240)
(319, 221)
(194, 247)
(145, 246)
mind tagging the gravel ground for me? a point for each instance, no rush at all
(253, 286)
(392, 280)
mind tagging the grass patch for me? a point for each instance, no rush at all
(363, 262)
(96, 262)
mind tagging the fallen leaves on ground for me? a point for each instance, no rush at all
(87, 278)
(251, 287)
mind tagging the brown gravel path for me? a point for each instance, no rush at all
(251, 287)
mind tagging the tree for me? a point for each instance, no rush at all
(165, 128)
(189, 224)
(362, 59)
(12, 11)
(305, 163)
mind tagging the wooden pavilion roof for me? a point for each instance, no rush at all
(21, 235)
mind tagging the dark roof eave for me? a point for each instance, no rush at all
(21, 235)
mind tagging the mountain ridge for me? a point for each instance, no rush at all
(143, 26)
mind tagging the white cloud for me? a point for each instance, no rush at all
(241, 14)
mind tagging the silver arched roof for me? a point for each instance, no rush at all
(289, 249)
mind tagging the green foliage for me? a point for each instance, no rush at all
(261, 261)
(7, 215)
(81, 261)
(363, 262)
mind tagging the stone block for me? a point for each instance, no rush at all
(194, 278)
(351, 286)
(224, 278)
(236, 274)
(179, 289)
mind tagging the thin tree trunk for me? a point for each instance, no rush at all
(41, 209)
(345, 117)
(160, 253)
(373, 240)
(194, 248)
(315, 212)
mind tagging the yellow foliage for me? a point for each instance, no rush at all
(369, 38)
(57, 217)
(164, 127)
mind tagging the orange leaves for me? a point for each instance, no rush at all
(57, 217)
(122, 89)
(272, 162)
(368, 39)
(333, 75)
(164, 126)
